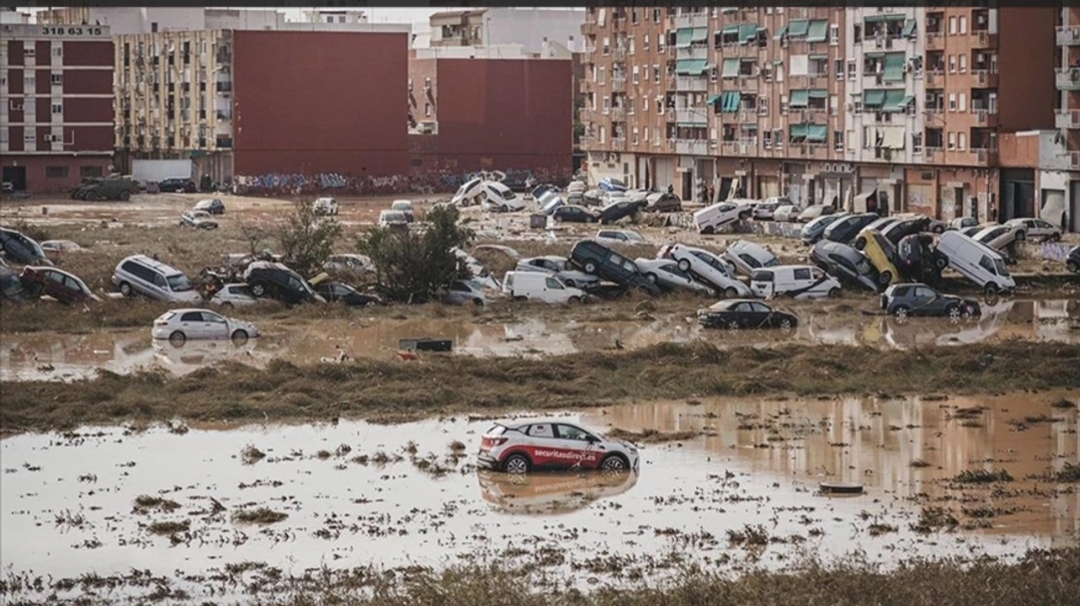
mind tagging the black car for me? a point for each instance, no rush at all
(1072, 262)
(177, 185)
(613, 212)
(846, 229)
(905, 227)
(596, 259)
(336, 291)
(846, 264)
(918, 260)
(918, 299)
(21, 248)
(275, 280)
(572, 213)
(11, 287)
(745, 313)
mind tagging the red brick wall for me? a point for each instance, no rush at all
(88, 82)
(312, 103)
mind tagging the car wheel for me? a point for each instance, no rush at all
(226, 305)
(885, 277)
(954, 313)
(1073, 267)
(730, 292)
(504, 208)
(744, 215)
(1055, 237)
(1021, 236)
(968, 312)
(614, 462)
(939, 229)
(708, 230)
(521, 298)
(177, 339)
(860, 243)
(575, 300)
(941, 262)
(125, 289)
(684, 264)
(590, 267)
(569, 283)
(785, 325)
(258, 289)
(125, 196)
(990, 289)
(901, 313)
(91, 197)
(651, 278)
(732, 325)
(516, 463)
(834, 292)
(240, 337)
(478, 302)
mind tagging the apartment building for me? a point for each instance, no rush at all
(247, 103)
(902, 106)
(474, 110)
(532, 28)
(56, 105)
(148, 20)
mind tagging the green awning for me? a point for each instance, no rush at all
(818, 31)
(798, 28)
(781, 33)
(886, 17)
(797, 130)
(748, 126)
(730, 29)
(731, 68)
(799, 98)
(894, 67)
(712, 100)
(817, 133)
(907, 101)
(819, 93)
(893, 101)
(777, 62)
(683, 36)
(873, 97)
(730, 103)
(691, 67)
(909, 28)
(747, 32)
(874, 55)
(819, 57)
(700, 34)
(701, 124)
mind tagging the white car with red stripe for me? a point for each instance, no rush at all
(526, 445)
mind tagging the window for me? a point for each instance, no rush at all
(645, 43)
(660, 105)
(159, 281)
(952, 140)
(569, 432)
(634, 75)
(838, 140)
(553, 284)
(58, 51)
(961, 141)
(838, 68)
(56, 172)
(58, 78)
(634, 138)
(851, 70)
(962, 105)
(645, 135)
(656, 73)
(57, 108)
(427, 109)
(29, 82)
(600, 73)
(28, 51)
(963, 24)
(952, 25)
(656, 15)
(952, 102)
(644, 104)
(802, 273)
(541, 431)
(630, 42)
(29, 138)
(952, 64)
(963, 64)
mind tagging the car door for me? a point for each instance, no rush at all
(159, 287)
(54, 285)
(193, 326)
(577, 445)
(214, 326)
(763, 315)
(745, 316)
(72, 290)
(554, 292)
(922, 299)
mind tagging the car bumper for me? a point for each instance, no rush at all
(486, 461)
(160, 333)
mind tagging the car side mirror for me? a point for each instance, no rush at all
(593, 439)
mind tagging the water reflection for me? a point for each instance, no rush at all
(551, 493)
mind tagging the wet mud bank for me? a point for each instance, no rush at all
(410, 389)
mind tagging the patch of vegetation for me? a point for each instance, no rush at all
(145, 504)
(651, 436)
(170, 527)
(935, 518)
(982, 476)
(261, 515)
(306, 239)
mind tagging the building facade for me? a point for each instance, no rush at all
(56, 105)
(478, 113)
(251, 103)
(859, 106)
(532, 28)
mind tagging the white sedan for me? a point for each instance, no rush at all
(234, 295)
(199, 219)
(707, 268)
(180, 325)
(666, 273)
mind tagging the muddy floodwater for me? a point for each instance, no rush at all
(185, 502)
(51, 356)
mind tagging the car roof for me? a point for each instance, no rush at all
(182, 310)
(518, 423)
(151, 262)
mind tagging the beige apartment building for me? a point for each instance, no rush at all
(819, 104)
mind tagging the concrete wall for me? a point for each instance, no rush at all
(530, 26)
(306, 104)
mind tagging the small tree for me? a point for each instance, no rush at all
(306, 239)
(412, 267)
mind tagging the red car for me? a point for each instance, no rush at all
(56, 283)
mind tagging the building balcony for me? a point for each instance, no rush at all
(692, 52)
(1068, 79)
(935, 40)
(984, 157)
(933, 154)
(1074, 160)
(618, 143)
(1067, 118)
(693, 147)
(739, 147)
(984, 78)
(590, 49)
(1068, 35)
(618, 85)
(883, 43)
(618, 114)
(618, 54)
(692, 20)
(983, 39)
(985, 118)
(692, 116)
(935, 79)
(691, 84)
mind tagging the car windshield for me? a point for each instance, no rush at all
(633, 236)
(179, 283)
(999, 265)
(393, 216)
(508, 194)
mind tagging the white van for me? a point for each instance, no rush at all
(976, 262)
(539, 286)
(711, 218)
(797, 281)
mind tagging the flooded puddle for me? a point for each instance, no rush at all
(184, 503)
(46, 356)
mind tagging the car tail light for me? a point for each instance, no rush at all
(488, 443)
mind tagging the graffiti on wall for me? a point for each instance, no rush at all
(424, 182)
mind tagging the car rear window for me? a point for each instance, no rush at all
(496, 430)
(762, 276)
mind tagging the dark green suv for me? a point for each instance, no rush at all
(110, 188)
